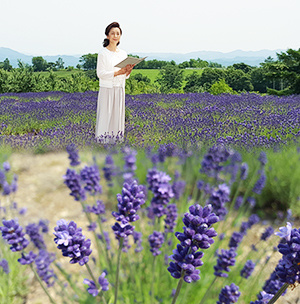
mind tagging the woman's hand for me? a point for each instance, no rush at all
(129, 68)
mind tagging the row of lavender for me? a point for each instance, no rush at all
(56, 119)
(147, 272)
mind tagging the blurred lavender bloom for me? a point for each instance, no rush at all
(36, 238)
(90, 176)
(178, 188)
(4, 265)
(6, 188)
(73, 155)
(235, 239)
(98, 208)
(107, 239)
(92, 226)
(260, 184)
(42, 262)
(13, 234)
(238, 202)
(267, 233)
(93, 289)
(71, 242)
(218, 199)
(137, 237)
(171, 217)
(262, 158)
(73, 182)
(244, 171)
(2, 177)
(22, 211)
(6, 166)
(247, 269)
(225, 259)
(108, 169)
(229, 294)
(14, 184)
(44, 225)
(27, 258)
(251, 201)
(156, 239)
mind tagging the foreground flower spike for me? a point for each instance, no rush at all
(197, 234)
(13, 234)
(72, 243)
(92, 289)
(285, 232)
(156, 240)
(288, 268)
(42, 262)
(229, 294)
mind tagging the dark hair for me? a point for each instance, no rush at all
(107, 30)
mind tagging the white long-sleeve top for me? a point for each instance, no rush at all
(106, 61)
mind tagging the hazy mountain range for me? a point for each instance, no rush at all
(253, 58)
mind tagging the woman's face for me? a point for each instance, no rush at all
(114, 35)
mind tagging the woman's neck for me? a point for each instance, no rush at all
(112, 47)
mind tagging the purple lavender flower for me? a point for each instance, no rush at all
(37, 239)
(72, 243)
(92, 289)
(238, 202)
(260, 184)
(285, 232)
(212, 163)
(262, 158)
(108, 169)
(267, 233)
(247, 269)
(178, 188)
(273, 284)
(6, 166)
(229, 294)
(73, 155)
(4, 265)
(72, 180)
(218, 199)
(137, 237)
(225, 259)
(14, 184)
(91, 178)
(244, 171)
(129, 202)
(6, 188)
(288, 268)
(12, 233)
(171, 217)
(44, 225)
(98, 208)
(253, 219)
(235, 239)
(42, 262)
(263, 298)
(27, 258)
(197, 234)
(92, 226)
(156, 239)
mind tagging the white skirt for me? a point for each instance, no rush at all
(110, 121)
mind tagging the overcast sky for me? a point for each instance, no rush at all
(76, 27)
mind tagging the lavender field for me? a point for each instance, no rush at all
(199, 204)
(52, 120)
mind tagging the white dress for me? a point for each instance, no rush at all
(110, 121)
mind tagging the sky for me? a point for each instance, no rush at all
(76, 27)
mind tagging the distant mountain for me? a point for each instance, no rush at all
(253, 58)
(13, 57)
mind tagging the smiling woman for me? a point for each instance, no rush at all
(110, 123)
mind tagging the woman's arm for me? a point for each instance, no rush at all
(102, 71)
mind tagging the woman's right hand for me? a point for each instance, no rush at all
(121, 71)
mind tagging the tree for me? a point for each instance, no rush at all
(246, 68)
(39, 64)
(238, 80)
(220, 87)
(260, 80)
(6, 65)
(170, 77)
(193, 83)
(59, 63)
(89, 61)
(51, 66)
(139, 77)
(210, 76)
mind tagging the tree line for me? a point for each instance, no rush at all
(280, 76)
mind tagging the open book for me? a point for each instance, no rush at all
(129, 60)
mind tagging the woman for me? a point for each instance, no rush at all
(110, 123)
